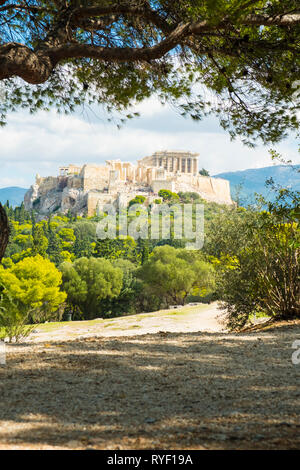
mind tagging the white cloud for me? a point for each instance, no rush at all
(41, 143)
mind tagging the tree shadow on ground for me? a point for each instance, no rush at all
(172, 390)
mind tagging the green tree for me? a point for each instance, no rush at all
(145, 252)
(89, 281)
(204, 172)
(67, 237)
(172, 274)
(40, 241)
(116, 248)
(126, 301)
(168, 196)
(30, 291)
(189, 197)
(137, 200)
(82, 246)
(9, 210)
(244, 53)
(13, 325)
(20, 213)
(33, 222)
(54, 248)
(85, 234)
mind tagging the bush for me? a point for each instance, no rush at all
(261, 271)
(137, 200)
(168, 196)
(13, 325)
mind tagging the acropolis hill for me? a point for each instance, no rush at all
(83, 189)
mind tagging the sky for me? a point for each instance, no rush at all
(43, 142)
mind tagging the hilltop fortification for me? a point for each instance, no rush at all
(83, 189)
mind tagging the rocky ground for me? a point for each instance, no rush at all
(164, 390)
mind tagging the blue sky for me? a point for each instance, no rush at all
(43, 142)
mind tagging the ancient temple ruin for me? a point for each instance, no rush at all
(83, 189)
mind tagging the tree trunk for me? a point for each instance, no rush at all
(4, 231)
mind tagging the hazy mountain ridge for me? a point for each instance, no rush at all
(254, 181)
(13, 194)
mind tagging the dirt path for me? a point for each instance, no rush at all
(184, 319)
(193, 390)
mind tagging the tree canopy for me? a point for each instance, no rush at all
(173, 274)
(238, 59)
(89, 281)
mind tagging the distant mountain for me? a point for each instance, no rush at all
(13, 194)
(253, 181)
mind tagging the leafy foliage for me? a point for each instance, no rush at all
(30, 292)
(238, 60)
(168, 196)
(13, 325)
(258, 261)
(204, 172)
(172, 274)
(137, 200)
(89, 281)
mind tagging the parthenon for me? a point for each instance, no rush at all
(173, 161)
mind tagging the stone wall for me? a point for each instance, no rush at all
(95, 177)
(163, 184)
(97, 200)
(209, 188)
(221, 188)
(46, 184)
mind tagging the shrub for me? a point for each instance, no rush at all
(13, 325)
(137, 200)
(30, 293)
(261, 271)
